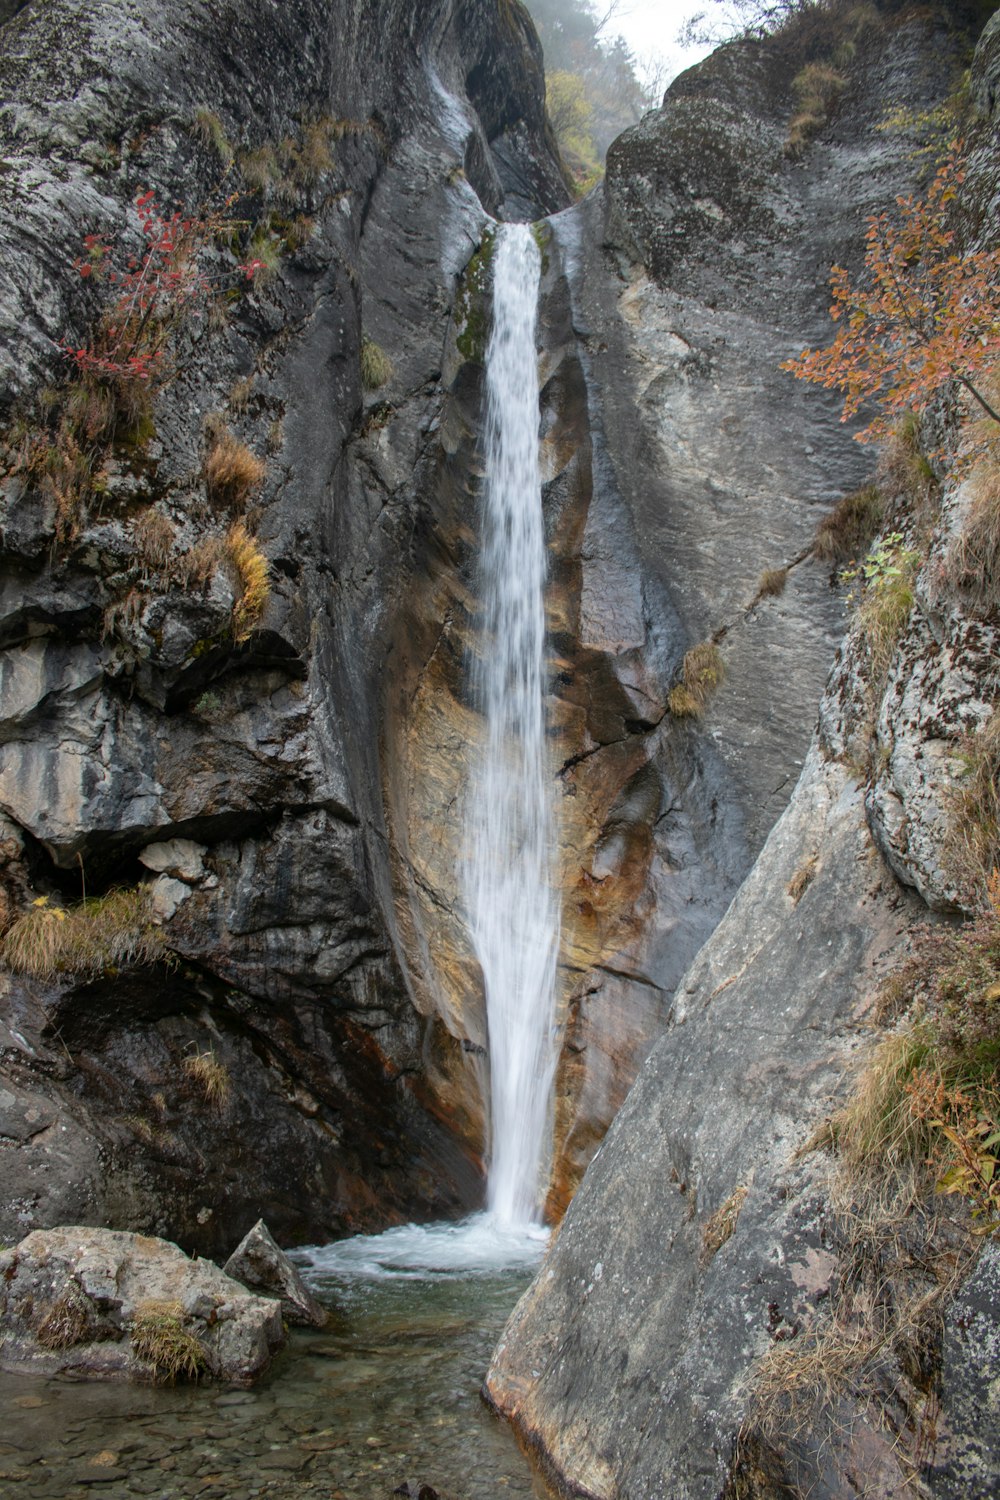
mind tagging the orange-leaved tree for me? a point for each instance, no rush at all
(922, 315)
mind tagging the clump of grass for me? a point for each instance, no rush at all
(259, 169)
(111, 932)
(972, 844)
(251, 569)
(720, 1225)
(195, 567)
(265, 250)
(928, 1104)
(701, 673)
(851, 526)
(817, 88)
(888, 576)
(973, 562)
(160, 1340)
(802, 879)
(239, 396)
(772, 583)
(906, 475)
(154, 537)
(209, 130)
(65, 1322)
(376, 366)
(210, 1075)
(232, 472)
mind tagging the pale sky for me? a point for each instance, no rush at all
(650, 29)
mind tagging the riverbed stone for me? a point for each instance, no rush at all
(257, 1263)
(71, 1295)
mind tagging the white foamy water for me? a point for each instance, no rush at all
(421, 1252)
(512, 908)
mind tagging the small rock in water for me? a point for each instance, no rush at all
(259, 1264)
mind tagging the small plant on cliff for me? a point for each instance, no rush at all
(161, 1341)
(972, 844)
(924, 315)
(887, 577)
(115, 931)
(250, 568)
(232, 472)
(701, 673)
(817, 88)
(209, 1075)
(376, 366)
(851, 526)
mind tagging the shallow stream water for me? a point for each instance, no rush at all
(387, 1395)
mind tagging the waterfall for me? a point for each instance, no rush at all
(512, 907)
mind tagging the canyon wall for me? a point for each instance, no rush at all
(707, 1242)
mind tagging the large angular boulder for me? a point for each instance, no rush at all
(259, 1264)
(111, 1305)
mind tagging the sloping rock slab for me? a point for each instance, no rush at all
(259, 1264)
(70, 1299)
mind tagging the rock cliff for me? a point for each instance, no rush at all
(710, 1239)
(272, 1061)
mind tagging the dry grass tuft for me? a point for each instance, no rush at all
(701, 673)
(232, 473)
(802, 879)
(160, 1339)
(210, 1075)
(112, 932)
(849, 529)
(817, 88)
(208, 129)
(65, 1323)
(719, 1227)
(376, 366)
(154, 537)
(972, 844)
(973, 563)
(772, 583)
(250, 568)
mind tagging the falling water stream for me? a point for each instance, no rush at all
(513, 913)
(387, 1396)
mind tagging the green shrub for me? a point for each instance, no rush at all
(115, 931)
(701, 673)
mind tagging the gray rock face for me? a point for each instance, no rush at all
(626, 1361)
(259, 1264)
(85, 1302)
(703, 1234)
(968, 1459)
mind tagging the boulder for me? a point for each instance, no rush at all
(111, 1305)
(258, 1263)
